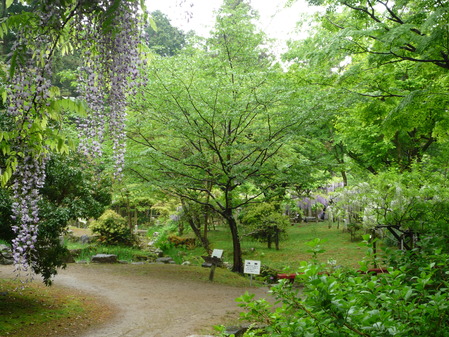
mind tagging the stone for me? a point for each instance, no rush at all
(156, 251)
(165, 260)
(186, 263)
(84, 239)
(6, 255)
(104, 258)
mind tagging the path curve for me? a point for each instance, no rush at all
(154, 300)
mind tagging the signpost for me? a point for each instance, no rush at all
(251, 267)
(213, 261)
(218, 253)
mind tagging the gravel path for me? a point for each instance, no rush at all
(155, 300)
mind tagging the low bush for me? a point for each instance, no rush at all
(112, 229)
(411, 300)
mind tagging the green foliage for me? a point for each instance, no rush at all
(408, 301)
(113, 229)
(163, 38)
(73, 189)
(414, 199)
(375, 73)
(211, 121)
(265, 223)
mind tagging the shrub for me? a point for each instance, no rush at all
(177, 241)
(112, 229)
(410, 300)
(265, 223)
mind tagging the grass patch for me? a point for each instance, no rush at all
(170, 272)
(36, 310)
(86, 251)
(338, 246)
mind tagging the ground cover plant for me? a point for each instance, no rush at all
(84, 252)
(36, 310)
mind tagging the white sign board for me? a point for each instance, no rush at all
(252, 267)
(218, 253)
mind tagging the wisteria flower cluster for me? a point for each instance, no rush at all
(28, 94)
(109, 76)
(108, 32)
(29, 178)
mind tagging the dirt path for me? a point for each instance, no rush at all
(155, 300)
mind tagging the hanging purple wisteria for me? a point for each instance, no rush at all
(108, 33)
(108, 77)
(28, 95)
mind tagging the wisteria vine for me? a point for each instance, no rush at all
(109, 75)
(109, 38)
(28, 94)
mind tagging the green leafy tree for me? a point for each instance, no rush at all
(163, 38)
(73, 190)
(385, 63)
(265, 223)
(213, 120)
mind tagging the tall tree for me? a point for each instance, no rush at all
(163, 38)
(386, 63)
(212, 120)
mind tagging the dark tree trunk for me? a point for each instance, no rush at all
(345, 178)
(196, 228)
(238, 262)
(276, 238)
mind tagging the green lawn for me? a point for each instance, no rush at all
(338, 246)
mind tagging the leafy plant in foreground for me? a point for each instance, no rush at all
(411, 300)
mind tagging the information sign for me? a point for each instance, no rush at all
(252, 267)
(218, 253)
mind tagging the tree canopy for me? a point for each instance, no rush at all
(211, 120)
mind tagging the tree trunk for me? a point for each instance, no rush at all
(196, 228)
(345, 178)
(276, 237)
(238, 262)
(206, 220)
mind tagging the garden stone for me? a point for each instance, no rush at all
(104, 258)
(165, 260)
(85, 239)
(5, 255)
(156, 251)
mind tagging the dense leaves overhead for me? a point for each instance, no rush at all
(387, 62)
